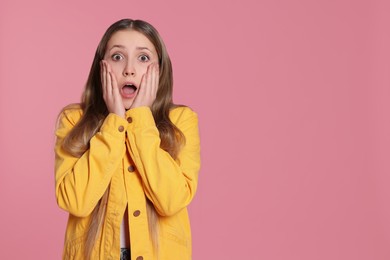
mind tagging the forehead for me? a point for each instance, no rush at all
(130, 39)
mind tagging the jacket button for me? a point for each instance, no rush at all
(139, 258)
(136, 214)
(129, 119)
(131, 168)
(121, 128)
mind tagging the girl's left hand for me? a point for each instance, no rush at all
(148, 88)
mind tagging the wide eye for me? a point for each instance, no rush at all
(117, 57)
(144, 58)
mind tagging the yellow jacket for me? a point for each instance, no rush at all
(125, 154)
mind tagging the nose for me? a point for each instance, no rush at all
(129, 70)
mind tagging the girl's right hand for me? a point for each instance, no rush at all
(110, 90)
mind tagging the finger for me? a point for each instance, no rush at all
(101, 72)
(149, 77)
(108, 81)
(146, 82)
(152, 81)
(104, 78)
(144, 86)
(156, 78)
(115, 89)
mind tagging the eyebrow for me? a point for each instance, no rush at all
(123, 47)
(118, 46)
(143, 48)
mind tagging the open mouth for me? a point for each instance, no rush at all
(129, 89)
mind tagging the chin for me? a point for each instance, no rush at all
(127, 104)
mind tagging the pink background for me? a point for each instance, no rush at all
(293, 99)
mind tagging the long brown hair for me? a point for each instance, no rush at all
(95, 111)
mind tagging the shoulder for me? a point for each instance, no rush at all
(180, 114)
(70, 114)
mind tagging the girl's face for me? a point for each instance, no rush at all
(129, 53)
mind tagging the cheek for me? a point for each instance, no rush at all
(142, 68)
(117, 68)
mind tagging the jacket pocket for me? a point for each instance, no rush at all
(176, 236)
(74, 248)
(174, 245)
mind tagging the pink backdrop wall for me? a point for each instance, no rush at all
(293, 99)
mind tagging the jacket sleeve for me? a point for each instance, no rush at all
(169, 184)
(81, 182)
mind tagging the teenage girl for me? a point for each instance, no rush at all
(127, 158)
